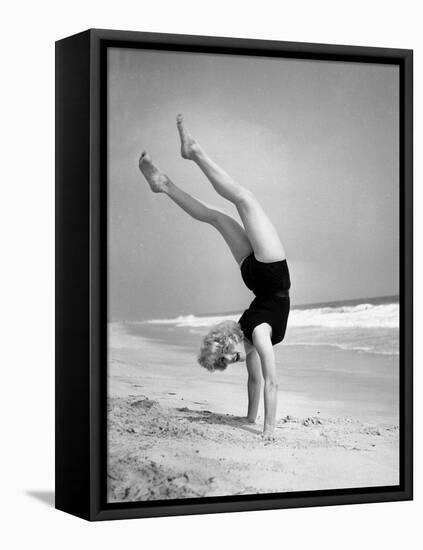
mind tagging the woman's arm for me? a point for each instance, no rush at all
(263, 344)
(254, 385)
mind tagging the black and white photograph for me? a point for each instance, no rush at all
(210, 242)
(253, 288)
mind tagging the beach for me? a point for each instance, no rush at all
(178, 431)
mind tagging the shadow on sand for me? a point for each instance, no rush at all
(208, 417)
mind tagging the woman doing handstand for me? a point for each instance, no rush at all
(258, 250)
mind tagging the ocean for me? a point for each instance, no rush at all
(368, 325)
(338, 358)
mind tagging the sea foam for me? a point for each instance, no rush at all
(357, 316)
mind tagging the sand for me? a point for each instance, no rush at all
(177, 432)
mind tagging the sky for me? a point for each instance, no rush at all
(317, 143)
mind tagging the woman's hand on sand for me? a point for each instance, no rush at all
(246, 420)
(268, 436)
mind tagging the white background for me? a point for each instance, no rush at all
(29, 30)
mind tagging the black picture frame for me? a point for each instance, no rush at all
(81, 273)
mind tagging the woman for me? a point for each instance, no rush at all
(259, 252)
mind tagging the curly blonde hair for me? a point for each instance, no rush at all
(217, 343)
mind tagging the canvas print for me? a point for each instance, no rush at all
(253, 275)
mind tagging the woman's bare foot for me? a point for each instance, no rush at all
(158, 181)
(189, 147)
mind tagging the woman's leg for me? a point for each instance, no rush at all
(260, 230)
(228, 227)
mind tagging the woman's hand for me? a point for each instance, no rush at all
(268, 435)
(246, 420)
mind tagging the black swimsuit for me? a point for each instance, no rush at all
(270, 283)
